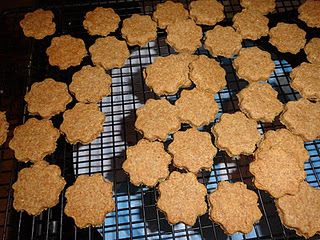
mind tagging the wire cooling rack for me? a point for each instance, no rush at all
(136, 217)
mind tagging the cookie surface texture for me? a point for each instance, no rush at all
(4, 126)
(90, 84)
(37, 188)
(206, 12)
(182, 198)
(264, 7)
(34, 140)
(38, 24)
(234, 207)
(83, 123)
(309, 12)
(89, 199)
(101, 21)
(312, 50)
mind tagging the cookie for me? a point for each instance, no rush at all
(264, 7)
(207, 74)
(184, 36)
(156, 119)
(168, 12)
(47, 98)
(101, 21)
(83, 123)
(182, 198)
(287, 37)
(38, 24)
(309, 12)
(37, 188)
(306, 80)
(234, 207)
(168, 74)
(236, 134)
(206, 12)
(139, 30)
(251, 24)
(66, 51)
(90, 84)
(196, 107)
(89, 199)
(147, 155)
(259, 101)
(192, 150)
(109, 53)
(4, 126)
(34, 140)
(302, 118)
(312, 50)
(301, 211)
(223, 41)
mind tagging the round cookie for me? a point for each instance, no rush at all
(302, 118)
(287, 37)
(109, 53)
(89, 199)
(34, 140)
(156, 119)
(206, 12)
(182, 198)
(264, 7)
(147, 155)
(139, 30)
(196, 107)
(236, 134)
(254, 65)
(47, 98)
(101, 21)
(184, 36)
(38, 24)
(312, 50)
(4, 126)
(192, 150)
(90, 84)
(207, 74)
(234, 207)
(223, 41)
(83, 123)
(251, 24)
(37, 188)
(309, 12)
(259, 101)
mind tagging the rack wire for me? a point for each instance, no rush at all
(136, 217)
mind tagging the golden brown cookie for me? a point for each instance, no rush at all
(4, 126)
(167, 74)
(168, 12)
(309, 12)
(223, 41)
(89, 199)
(236, 134)
(259, 101)
(37, 188)
(90, 84)
(101, 21)
(156, 119)
(264, 7)
(306, 80)
(192, 150)
(301, 211)
(109, 53)
(38, 24)
(149, 156)
(206, 12)
(253, 64)
(83, 123)
(34, 140)
(139, 30)
(287, 37)
(182, 198)
(196, 107)
(207, 74)
(302, 118)
(234, 207)
(251, 24)
(312, 50)
(47, 98)
(184, 36)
